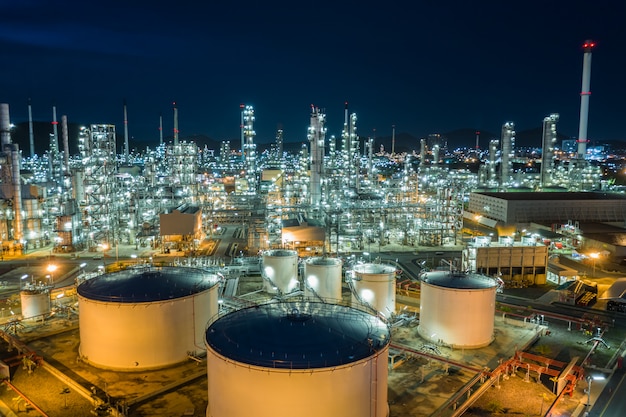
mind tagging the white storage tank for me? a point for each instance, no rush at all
(280, 271)
(322, 278)
(300, 359)
(35, 301)
(145, 318)
(457, 309)
(375, 286)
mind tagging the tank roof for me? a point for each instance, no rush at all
(298, 335)
(323, 261)
(280, 252)
(371, 268)
(460, 280)
(147, 284)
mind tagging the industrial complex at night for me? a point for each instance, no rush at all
(339, 280)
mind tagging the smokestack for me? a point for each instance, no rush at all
(31, 135)
(54, 146)
(125, 134)
(66, 145)
(477, 139)
(393, 139)
(5, 125)
(160, 129)
(584, 100)
(175, 124)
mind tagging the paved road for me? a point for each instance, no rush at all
(612, 400)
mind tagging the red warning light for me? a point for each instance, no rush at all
(589, 45)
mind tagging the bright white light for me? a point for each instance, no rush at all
(313, 281)
(269, 272)
(367, 295)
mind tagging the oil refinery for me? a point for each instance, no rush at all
(339, 280)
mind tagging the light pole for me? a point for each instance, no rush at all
(588, 390)
(594, 257)
(22, 278)
(51, 268)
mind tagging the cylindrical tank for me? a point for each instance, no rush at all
(297, 358)
(280, 271)
(375, 285)
(145, 318)
(322, 278)
(457, 309)
(35, 301)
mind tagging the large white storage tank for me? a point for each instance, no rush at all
(35, 301)
(322, 278)
(145, 318)
(375, 285)
(280, 271)
(297, 359)
(457, 309)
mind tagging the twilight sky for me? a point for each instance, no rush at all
(425, 66)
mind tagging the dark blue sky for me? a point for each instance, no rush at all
(424, 66)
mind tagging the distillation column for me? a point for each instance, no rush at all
(548, 143)
(249, 148)
(100, 169)
(316, 136)
(508, 146)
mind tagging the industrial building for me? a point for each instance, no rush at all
(512, 208)
(519, 265)
(181, 229)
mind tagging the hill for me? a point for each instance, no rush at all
(404, 142)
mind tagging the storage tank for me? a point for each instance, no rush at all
(300, 359)
(35, 300)
(457, 309)
(280, 271)
(375, 285)
(322, 278)
(145, 318)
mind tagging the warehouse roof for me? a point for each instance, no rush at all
(560, 196)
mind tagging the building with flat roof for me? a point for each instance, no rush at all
(549, 207)
(181, 228)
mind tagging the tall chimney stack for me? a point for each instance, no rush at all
(584, 100)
